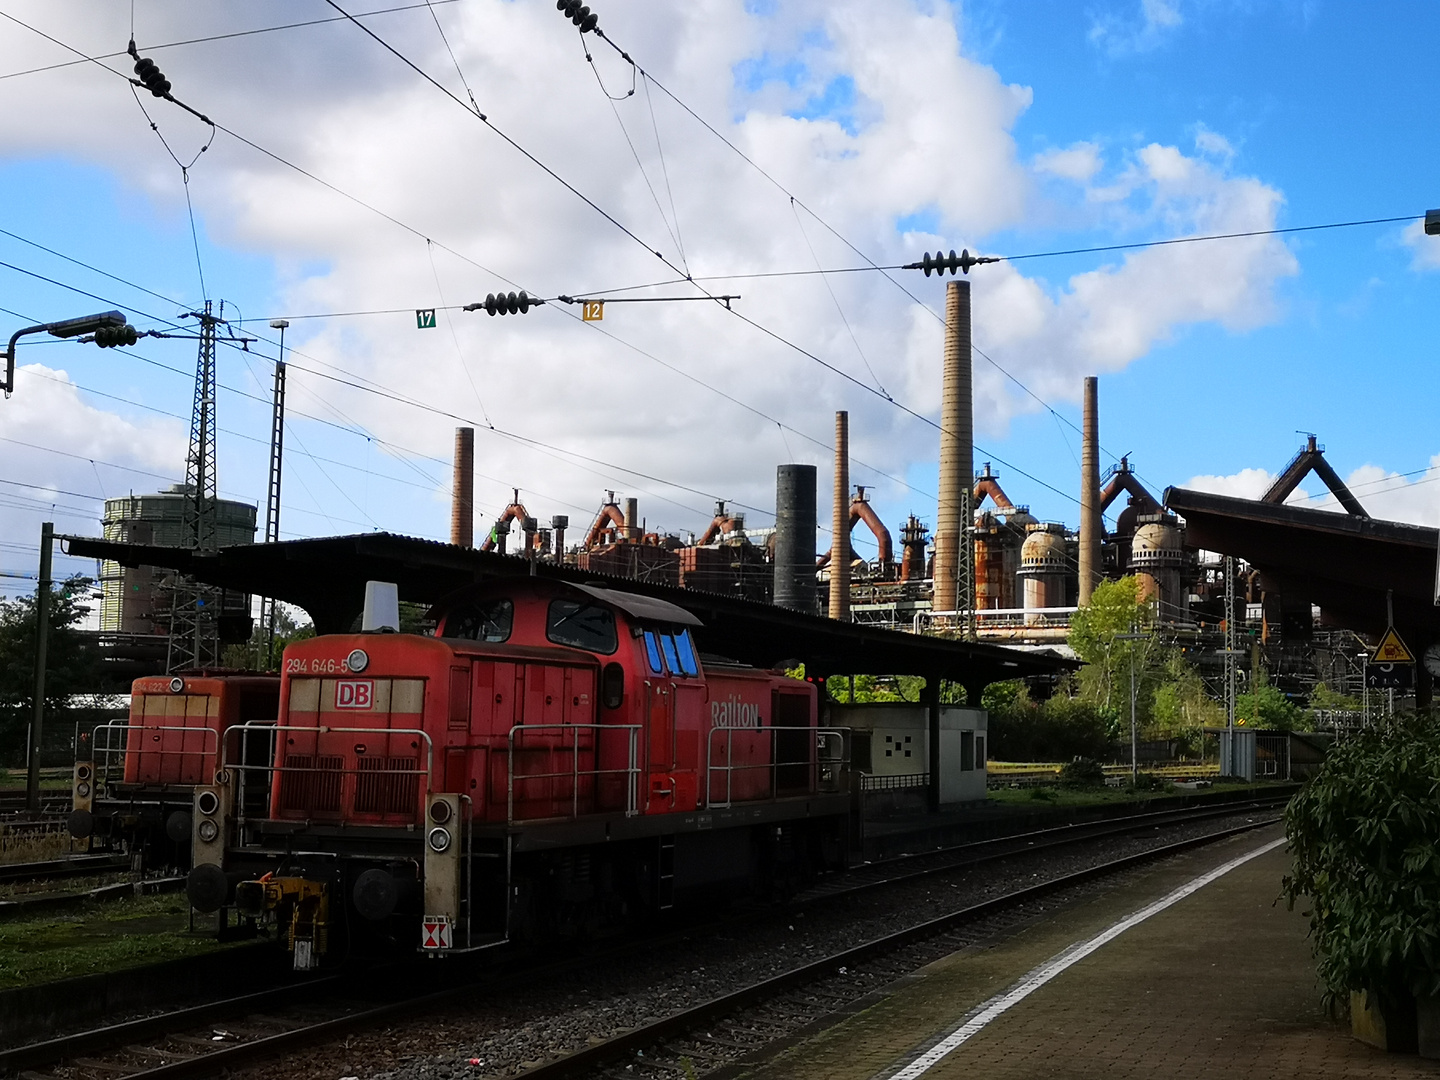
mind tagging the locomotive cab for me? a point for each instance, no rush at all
(555, 756)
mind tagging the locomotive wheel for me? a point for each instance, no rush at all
(375, 894)
(177, 826)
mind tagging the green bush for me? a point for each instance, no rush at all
(1150, 782)
(1363, 836)
(1082, 773)
(1057, 729)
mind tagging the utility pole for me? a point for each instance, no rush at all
(272, 493)
(1230, 653)
(194, 610)
(42, 643)
(1133, 637)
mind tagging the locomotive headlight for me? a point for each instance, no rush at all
(177, 684)
(82, 789)
(208, 830)
(207, 802)
(358, 660)
(439, 841)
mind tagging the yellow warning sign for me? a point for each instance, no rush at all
(1391, 650)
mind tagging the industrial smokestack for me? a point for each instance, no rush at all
(462, 498)
(559, 523)
(840, 523)
(1090, 491)
(632, 520)
(956, 455)
(795, 537)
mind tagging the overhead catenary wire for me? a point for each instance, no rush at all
(779, 338)
(421, 235)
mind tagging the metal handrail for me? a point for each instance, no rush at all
(632, 769)
(320, 729)
(824, 735)
(108, 750)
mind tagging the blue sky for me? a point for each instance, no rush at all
(1044, 126)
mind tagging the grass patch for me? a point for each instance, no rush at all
(99, 937)
(1058, 796)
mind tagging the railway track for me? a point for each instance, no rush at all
(229, 1035)
(60, 869)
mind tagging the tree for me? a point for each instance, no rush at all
(1266, 707)
(72, 663)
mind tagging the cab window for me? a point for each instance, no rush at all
(488, 620)
(668, 644)
(686, 650)
(652, 653)
(580, 625)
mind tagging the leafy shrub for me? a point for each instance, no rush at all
(1057, 729)
(1363, 835)
(1082, 773)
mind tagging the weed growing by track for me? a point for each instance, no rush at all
(96, 938)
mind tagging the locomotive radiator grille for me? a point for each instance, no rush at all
(312, 783)
(389, 785)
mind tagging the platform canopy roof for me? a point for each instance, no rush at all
(326, 576)
(1345, 563)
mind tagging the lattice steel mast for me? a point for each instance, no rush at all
(272, 491)
(195, 608)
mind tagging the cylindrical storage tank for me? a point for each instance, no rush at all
(1012, 537)
(990, 587)
(136, 600)
(1044, 564)
(795, 537)
(1157, 557)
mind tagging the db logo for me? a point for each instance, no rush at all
(354, 693)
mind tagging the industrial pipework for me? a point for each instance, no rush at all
(840, 523)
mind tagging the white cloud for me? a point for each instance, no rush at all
(1426, 249)
(930, 133)
(1213, 144)
(1149, 28)
(1245, 484)
(66, 452)
(1385, 494)
(1079, 162)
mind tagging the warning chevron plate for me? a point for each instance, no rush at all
(1391, 650)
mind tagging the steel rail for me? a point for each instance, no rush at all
(55, 869)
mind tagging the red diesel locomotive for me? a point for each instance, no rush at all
(138, 783)
(556, 756)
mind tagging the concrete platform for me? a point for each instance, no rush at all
(1220, 983)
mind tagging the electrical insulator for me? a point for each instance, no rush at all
(107, 337)
(578, 14)
(509, 303)
(941, 262)
(151, 77)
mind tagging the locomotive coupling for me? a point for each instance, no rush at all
(301, 904)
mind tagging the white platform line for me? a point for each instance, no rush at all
(1038, 977)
